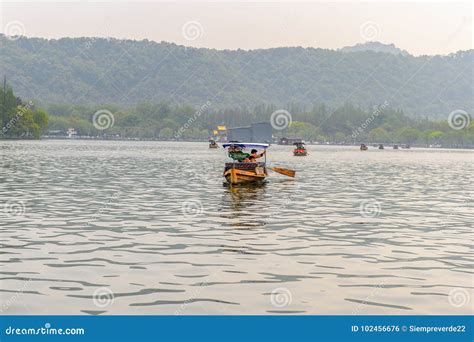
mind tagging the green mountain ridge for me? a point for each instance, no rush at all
(96, 71)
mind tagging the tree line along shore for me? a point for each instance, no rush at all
(346, 124)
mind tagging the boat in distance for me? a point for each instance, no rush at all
(300, 149)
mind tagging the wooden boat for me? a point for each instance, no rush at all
(240, 171)
(363, 147)
(213, 144)
(245, 173)
(300, 149)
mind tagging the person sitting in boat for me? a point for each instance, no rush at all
(254, 156)
(236, 153)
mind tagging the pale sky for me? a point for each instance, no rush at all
(420, 27)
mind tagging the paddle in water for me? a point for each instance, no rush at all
(286, 172)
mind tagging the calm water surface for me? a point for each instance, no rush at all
(90, 227)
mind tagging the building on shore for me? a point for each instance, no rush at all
(289, 141)
(219, 133)
(71, 133)
(260, 132)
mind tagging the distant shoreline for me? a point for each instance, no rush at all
(372, 145)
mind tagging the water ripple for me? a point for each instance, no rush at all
(108, 216)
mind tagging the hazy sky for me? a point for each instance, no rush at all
(418, 27)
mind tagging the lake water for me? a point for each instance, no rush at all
(91, 227)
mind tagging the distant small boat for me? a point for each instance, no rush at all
(363, 147)
(213, 144)
(300, 149)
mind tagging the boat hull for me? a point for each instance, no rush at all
(300, 153)
(240, 177)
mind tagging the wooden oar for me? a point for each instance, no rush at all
(286, 172)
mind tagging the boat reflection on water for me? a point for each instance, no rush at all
(244, 197)
(243, 205)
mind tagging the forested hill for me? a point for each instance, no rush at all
(125, 72)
